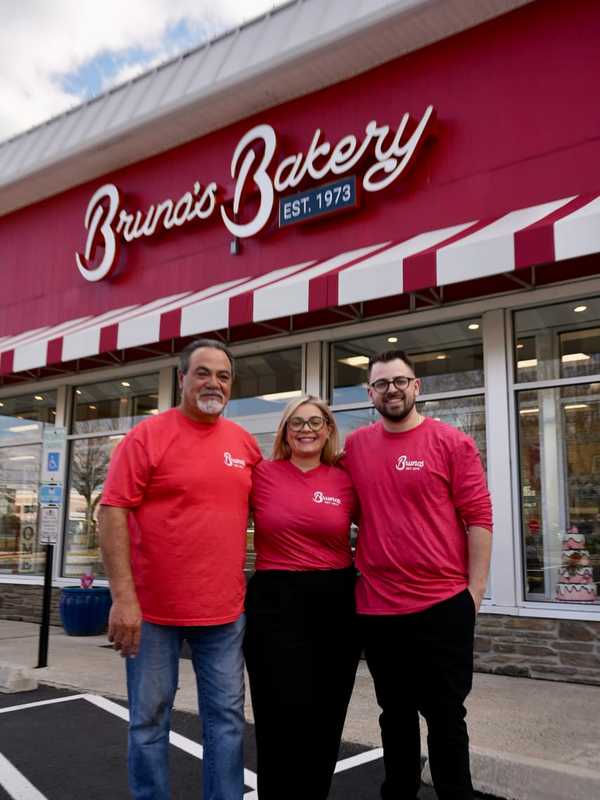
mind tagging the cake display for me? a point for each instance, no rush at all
(575, 577)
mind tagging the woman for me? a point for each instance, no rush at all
(301, 648)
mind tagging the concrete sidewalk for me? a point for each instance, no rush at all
(532, 740)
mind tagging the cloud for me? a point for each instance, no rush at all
(55, 55)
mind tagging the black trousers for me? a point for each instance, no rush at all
(301, 652)
(423, 662)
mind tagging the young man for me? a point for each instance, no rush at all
(173, 536)
(423, 559)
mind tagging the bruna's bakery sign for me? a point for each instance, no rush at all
(386, 153)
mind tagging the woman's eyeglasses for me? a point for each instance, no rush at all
(314, 423)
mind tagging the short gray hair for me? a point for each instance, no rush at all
(215, 344)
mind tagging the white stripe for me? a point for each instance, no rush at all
(30, 356)
(490, 250)
(213, 313)
(290, 295)
(357, 760)
(43, 703)
(177, 740)
(16, 784)
(578, 234)
(381, 275)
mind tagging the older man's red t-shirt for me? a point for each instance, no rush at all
(186, 485)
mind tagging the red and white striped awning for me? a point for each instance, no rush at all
(537, 235)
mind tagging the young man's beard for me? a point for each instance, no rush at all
(398, 414)
(210, 405)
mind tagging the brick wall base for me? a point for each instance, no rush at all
(550, 649)
(24, 603)
(527, 647)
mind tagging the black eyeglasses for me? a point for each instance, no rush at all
(314, 423)
(381, 385)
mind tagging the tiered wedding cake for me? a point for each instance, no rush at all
(575, 579)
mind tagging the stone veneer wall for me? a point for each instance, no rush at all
(530, 647)
(24, 603)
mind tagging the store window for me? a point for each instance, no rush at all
(102, 414)
(559, 454)
(264, 383)
(447, 358)
(23, 420)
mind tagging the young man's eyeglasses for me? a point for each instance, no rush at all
(381, 385)
(314, 423)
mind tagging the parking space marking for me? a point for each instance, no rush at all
(15, 783)
(357, 760)
(42, 703)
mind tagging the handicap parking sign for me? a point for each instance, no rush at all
(53, 462)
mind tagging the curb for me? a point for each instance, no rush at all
(514, 777)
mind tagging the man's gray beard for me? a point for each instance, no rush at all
(210, 405)
(397, 416)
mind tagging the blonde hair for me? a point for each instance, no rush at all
(330, 452)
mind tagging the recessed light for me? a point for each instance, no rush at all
(1, 405)
(38, 397)
(566, 359)
(392, 339)
(520, 346)
(77, 391)
(527, 363)
(573, 406)
(474, 326)
(355, 361)
(441, 357)
(93, 408)
(579, 309)
(529, 411)
(126, 384)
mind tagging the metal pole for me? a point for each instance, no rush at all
(45, 628)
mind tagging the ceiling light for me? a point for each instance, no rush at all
(1, 405)
(93, 408)
(441, 357)
(153, 411)
(23, 428)
(38, 397)
(529, 411)
(569, 357)
(355, 361)
(77, 391)
(119, 437)
(579, 309)
(573, 406)
(281, 395)
(392, 339)
(126, 384)
(520, 346)
(21, 458)
(474, 326)
(527, 363)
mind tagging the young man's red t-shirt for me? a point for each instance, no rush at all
(302, 519)
(187, 486)
(419, 490)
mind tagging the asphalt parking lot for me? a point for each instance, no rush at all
(59, 745)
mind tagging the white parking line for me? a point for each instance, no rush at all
(15, 783)
(176, 739)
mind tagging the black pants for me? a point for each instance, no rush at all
(301, 653)
(423, 663)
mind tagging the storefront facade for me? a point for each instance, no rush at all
(444, 201)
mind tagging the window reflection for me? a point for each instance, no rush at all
(114, 405)
(23, 418)
(559, 450)
(89, 465)
(265, 382)
(446, 357)
(20, 552)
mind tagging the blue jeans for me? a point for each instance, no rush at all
(151, 684)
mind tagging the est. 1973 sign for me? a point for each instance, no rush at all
(318, 202)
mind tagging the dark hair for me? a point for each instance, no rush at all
(215, 344)
(390, 355)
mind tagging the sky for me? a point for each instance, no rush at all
(56, 54)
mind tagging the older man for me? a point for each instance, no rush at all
(423, 558)
(172, 531)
